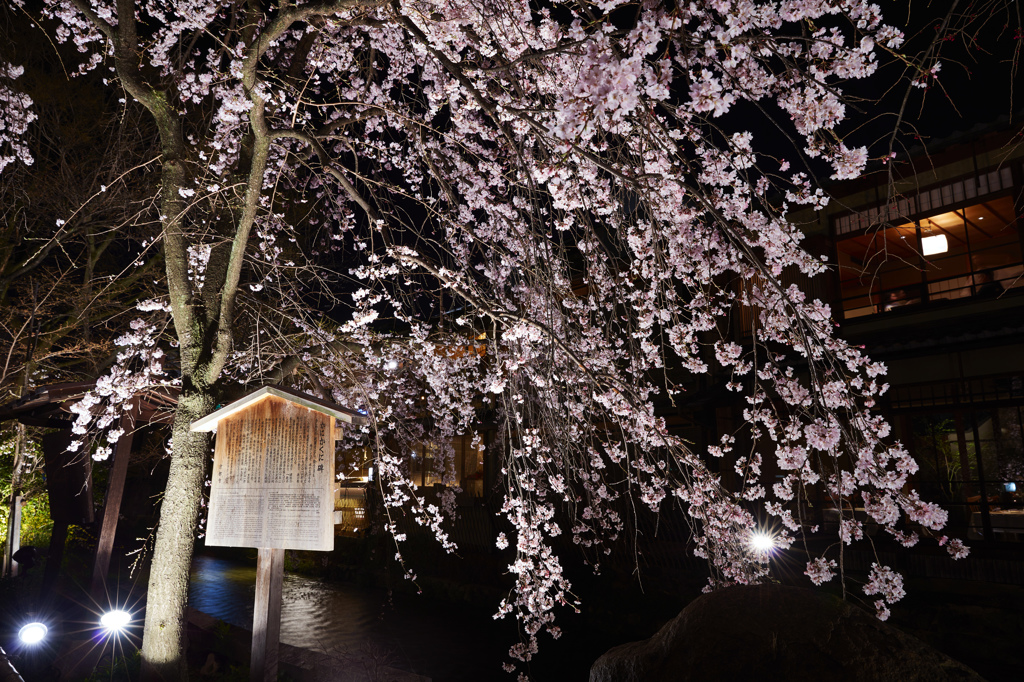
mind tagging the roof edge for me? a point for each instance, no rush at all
(210, 421)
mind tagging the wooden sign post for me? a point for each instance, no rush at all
(273, 489)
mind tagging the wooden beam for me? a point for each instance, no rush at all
(58, 538)
(266, 616)
(973, 224)
(1006, 220)
(112, 503)
(946, 232)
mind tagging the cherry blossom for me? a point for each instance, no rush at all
(15, 117)
(432, 211)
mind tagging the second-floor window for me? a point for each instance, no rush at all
(965, 253)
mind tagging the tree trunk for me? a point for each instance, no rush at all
(163, 647)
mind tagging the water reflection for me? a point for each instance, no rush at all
(413, 634)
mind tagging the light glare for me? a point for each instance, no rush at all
(934, 244)
(32, 633)
(761, 542)
(115, 621)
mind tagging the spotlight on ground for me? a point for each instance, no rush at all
(115, 621)
(32, 633)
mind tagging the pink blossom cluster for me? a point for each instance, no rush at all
(886, 583)
(15, 117)
(138, 367)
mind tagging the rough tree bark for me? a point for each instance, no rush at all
(203, 315)
(168, 581)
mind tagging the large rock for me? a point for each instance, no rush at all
(772, 632)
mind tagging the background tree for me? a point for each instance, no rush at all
(350, 191)
(71, 222)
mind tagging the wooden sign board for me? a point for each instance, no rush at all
(273, 475)
(273, 488)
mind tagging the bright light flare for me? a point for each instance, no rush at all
(761, 542)
(115, 621)
(934, 244)
(32, 633)
(392, 364)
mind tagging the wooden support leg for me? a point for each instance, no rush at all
(266, 619)
(53, 561)
(112, 505)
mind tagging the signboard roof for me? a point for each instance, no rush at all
(209, 422)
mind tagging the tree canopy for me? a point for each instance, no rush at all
(355, 195)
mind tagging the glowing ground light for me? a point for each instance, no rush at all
(761, 542)
(115, 621)
(32, 633)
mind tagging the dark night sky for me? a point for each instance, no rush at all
(976, 77)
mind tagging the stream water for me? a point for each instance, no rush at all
(417, 634)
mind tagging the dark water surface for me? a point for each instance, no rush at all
(976, 623)
(417, 634)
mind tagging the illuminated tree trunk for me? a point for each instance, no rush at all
(13, 529)
(163, 638)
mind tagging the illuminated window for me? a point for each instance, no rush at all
(880, 270)
(963, 253)
(467, 459)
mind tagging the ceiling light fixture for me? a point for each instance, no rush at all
(934, 244)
